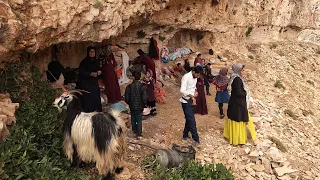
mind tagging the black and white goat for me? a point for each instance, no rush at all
(92, 137)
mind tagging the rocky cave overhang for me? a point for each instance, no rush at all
(28, 29)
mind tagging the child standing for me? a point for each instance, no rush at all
(222, 95)
(136, 97)
(148, 82)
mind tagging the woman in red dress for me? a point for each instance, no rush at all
(201, 107)
(110, 79)
(146, 60)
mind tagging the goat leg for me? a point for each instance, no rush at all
(109, 176)
(76, 160)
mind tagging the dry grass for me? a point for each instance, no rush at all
(249, 31)
(278, 143)
(307, 113)
(281, 53)
(251, 57)
(273, 46)
(141, 34)
(310, 82)
(161, 38)
(97, 4)
(279, 85)
(291, 114)
(170, 29)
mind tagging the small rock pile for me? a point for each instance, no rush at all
(7, 114)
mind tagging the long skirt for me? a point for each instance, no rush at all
(222, 96)
(110, 79)
(236, 132)
(201, 107)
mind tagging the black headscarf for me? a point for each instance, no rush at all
(153, 49)
(90, 101)
(88, 52)
(140, 52)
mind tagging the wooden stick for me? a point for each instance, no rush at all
(146, 145)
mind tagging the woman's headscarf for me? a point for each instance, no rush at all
(237, 68)
(140, 52)
(153, 49)
(222, 78)
(88, 51)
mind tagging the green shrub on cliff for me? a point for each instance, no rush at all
(34, 148)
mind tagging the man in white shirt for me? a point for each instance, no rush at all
(188, 100)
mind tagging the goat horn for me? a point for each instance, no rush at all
(78, 91)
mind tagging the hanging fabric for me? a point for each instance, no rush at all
(125, 65)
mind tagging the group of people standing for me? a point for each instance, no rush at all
(140, 93)
(92, 69)
(99, 67)
(193, 101)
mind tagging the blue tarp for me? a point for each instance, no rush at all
(118, 106)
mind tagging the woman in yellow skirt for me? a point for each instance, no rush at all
(235, 127)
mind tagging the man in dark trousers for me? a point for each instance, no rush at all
(188, 100)
(136, 97)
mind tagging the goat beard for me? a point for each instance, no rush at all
(59, 108)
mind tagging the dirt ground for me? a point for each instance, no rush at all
(167, 126)
(266, 64)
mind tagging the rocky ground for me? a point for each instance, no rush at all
(285, 110)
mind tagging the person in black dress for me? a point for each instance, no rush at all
(89, 70)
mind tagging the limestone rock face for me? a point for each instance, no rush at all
(30, 25)
(36, 24)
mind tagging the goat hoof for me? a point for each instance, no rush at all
(74, 164)
(78, 164)
(119, 170)
(109, 176)
(82, 164)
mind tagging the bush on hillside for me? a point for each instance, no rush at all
(189, 170)
(248, 32)
(34, 148)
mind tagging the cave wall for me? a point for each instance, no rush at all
(68, 54)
